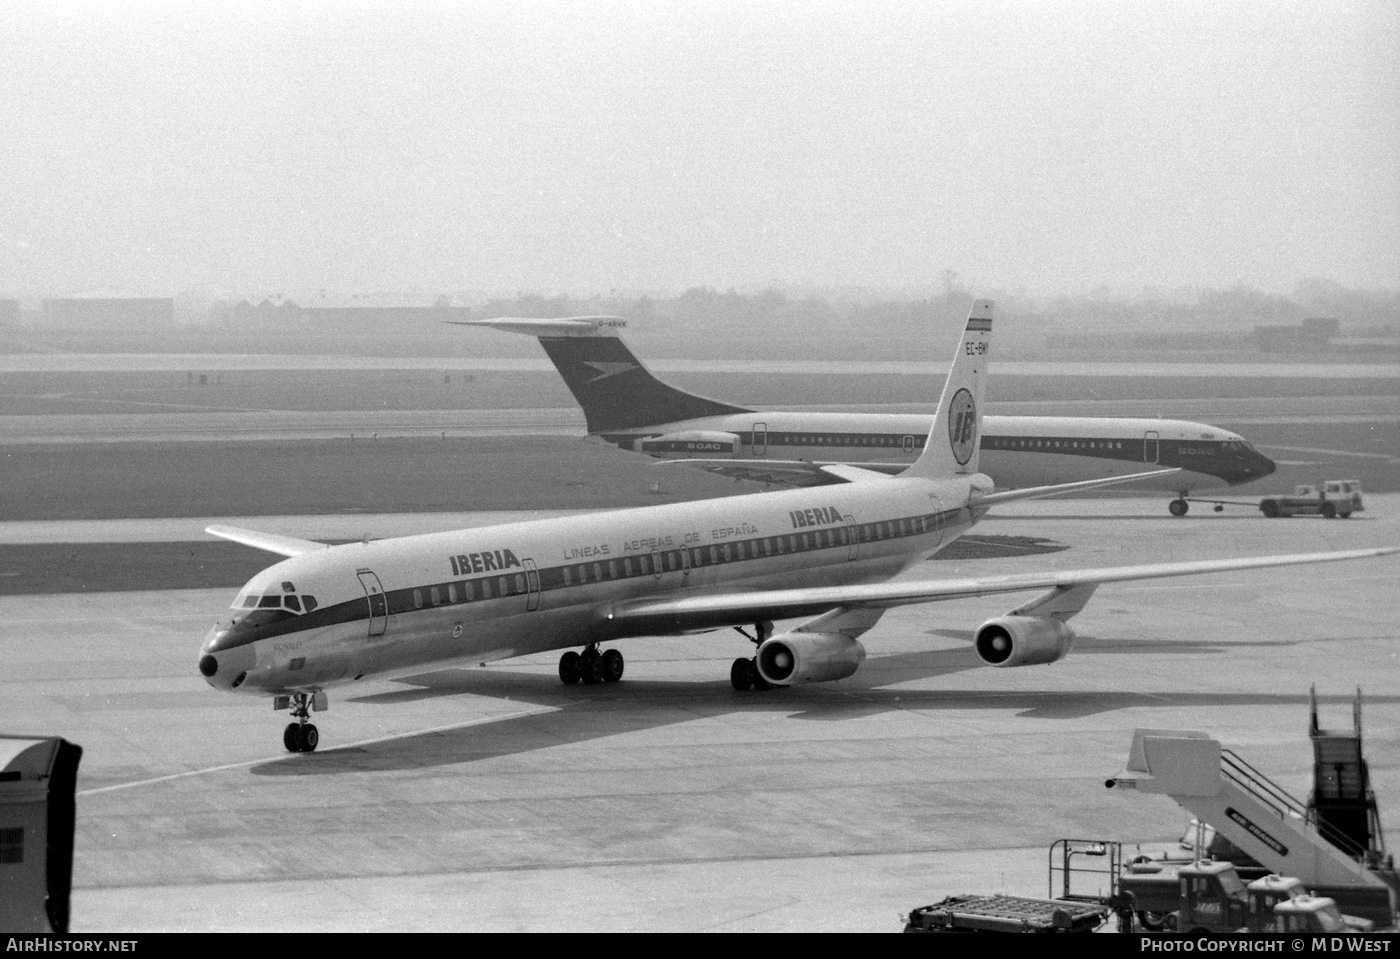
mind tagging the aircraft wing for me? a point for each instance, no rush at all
(791, 473)
(282, 545)
(678, 614)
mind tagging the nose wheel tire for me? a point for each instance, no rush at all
(301, 738)
(1178, 507)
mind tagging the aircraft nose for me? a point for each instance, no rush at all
(1263, 465)
(224, 668)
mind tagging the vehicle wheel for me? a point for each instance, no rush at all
(613, 664)
(1269, 508)
(1178, 507)
(1329, 511)
(289, 738)
(592, 667)
(308, 738)
(570, 669)
(741, 675)
(1152, 921)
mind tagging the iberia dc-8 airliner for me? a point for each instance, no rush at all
(332, 615)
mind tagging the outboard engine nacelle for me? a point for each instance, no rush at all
(690, 443)
(808, 658)
(1023, 641)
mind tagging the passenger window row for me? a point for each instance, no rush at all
(653, 564)
(907, 441)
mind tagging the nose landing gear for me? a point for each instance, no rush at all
(301, 736)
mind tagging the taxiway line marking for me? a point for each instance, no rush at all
(363, 742)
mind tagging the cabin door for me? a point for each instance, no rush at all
(759, 447)
(852, 537)
(378, 603)
(532, 585)
(1150, 450)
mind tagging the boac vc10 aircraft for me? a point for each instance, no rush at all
(625, 404)
(332, 615)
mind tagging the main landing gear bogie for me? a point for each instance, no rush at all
(591, 666)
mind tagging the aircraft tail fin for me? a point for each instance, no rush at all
(955, 435)
(615, 389)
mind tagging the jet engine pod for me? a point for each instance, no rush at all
(1023, 641)
(691, 443)
(808, 658)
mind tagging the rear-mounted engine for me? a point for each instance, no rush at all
(1023, 641)
(808, 658)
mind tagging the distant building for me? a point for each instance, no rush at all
(379, 319)
(1311, 336)
(117, 315)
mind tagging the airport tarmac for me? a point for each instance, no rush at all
(494, 798)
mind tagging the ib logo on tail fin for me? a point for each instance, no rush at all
(953, 442)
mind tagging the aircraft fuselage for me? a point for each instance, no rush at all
(476, 595)
(1017, 451)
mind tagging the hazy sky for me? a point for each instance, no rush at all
(1041, 147)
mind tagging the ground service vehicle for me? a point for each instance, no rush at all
(1006, 914)
(1337, 498)
(1210, 897)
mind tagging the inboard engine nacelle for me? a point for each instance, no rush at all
(691, 443)
(808, 658)
(1023, 640)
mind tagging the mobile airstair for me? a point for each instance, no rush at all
(1332, 844)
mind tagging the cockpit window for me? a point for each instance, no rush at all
(309, 602)
(249, 602)
(292, 603)
(271, 601)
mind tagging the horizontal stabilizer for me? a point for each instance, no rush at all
(282, 545)
(570, 326)
(1039, 492)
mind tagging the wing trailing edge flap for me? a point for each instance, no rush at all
(1069, 591)
(271, 542)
